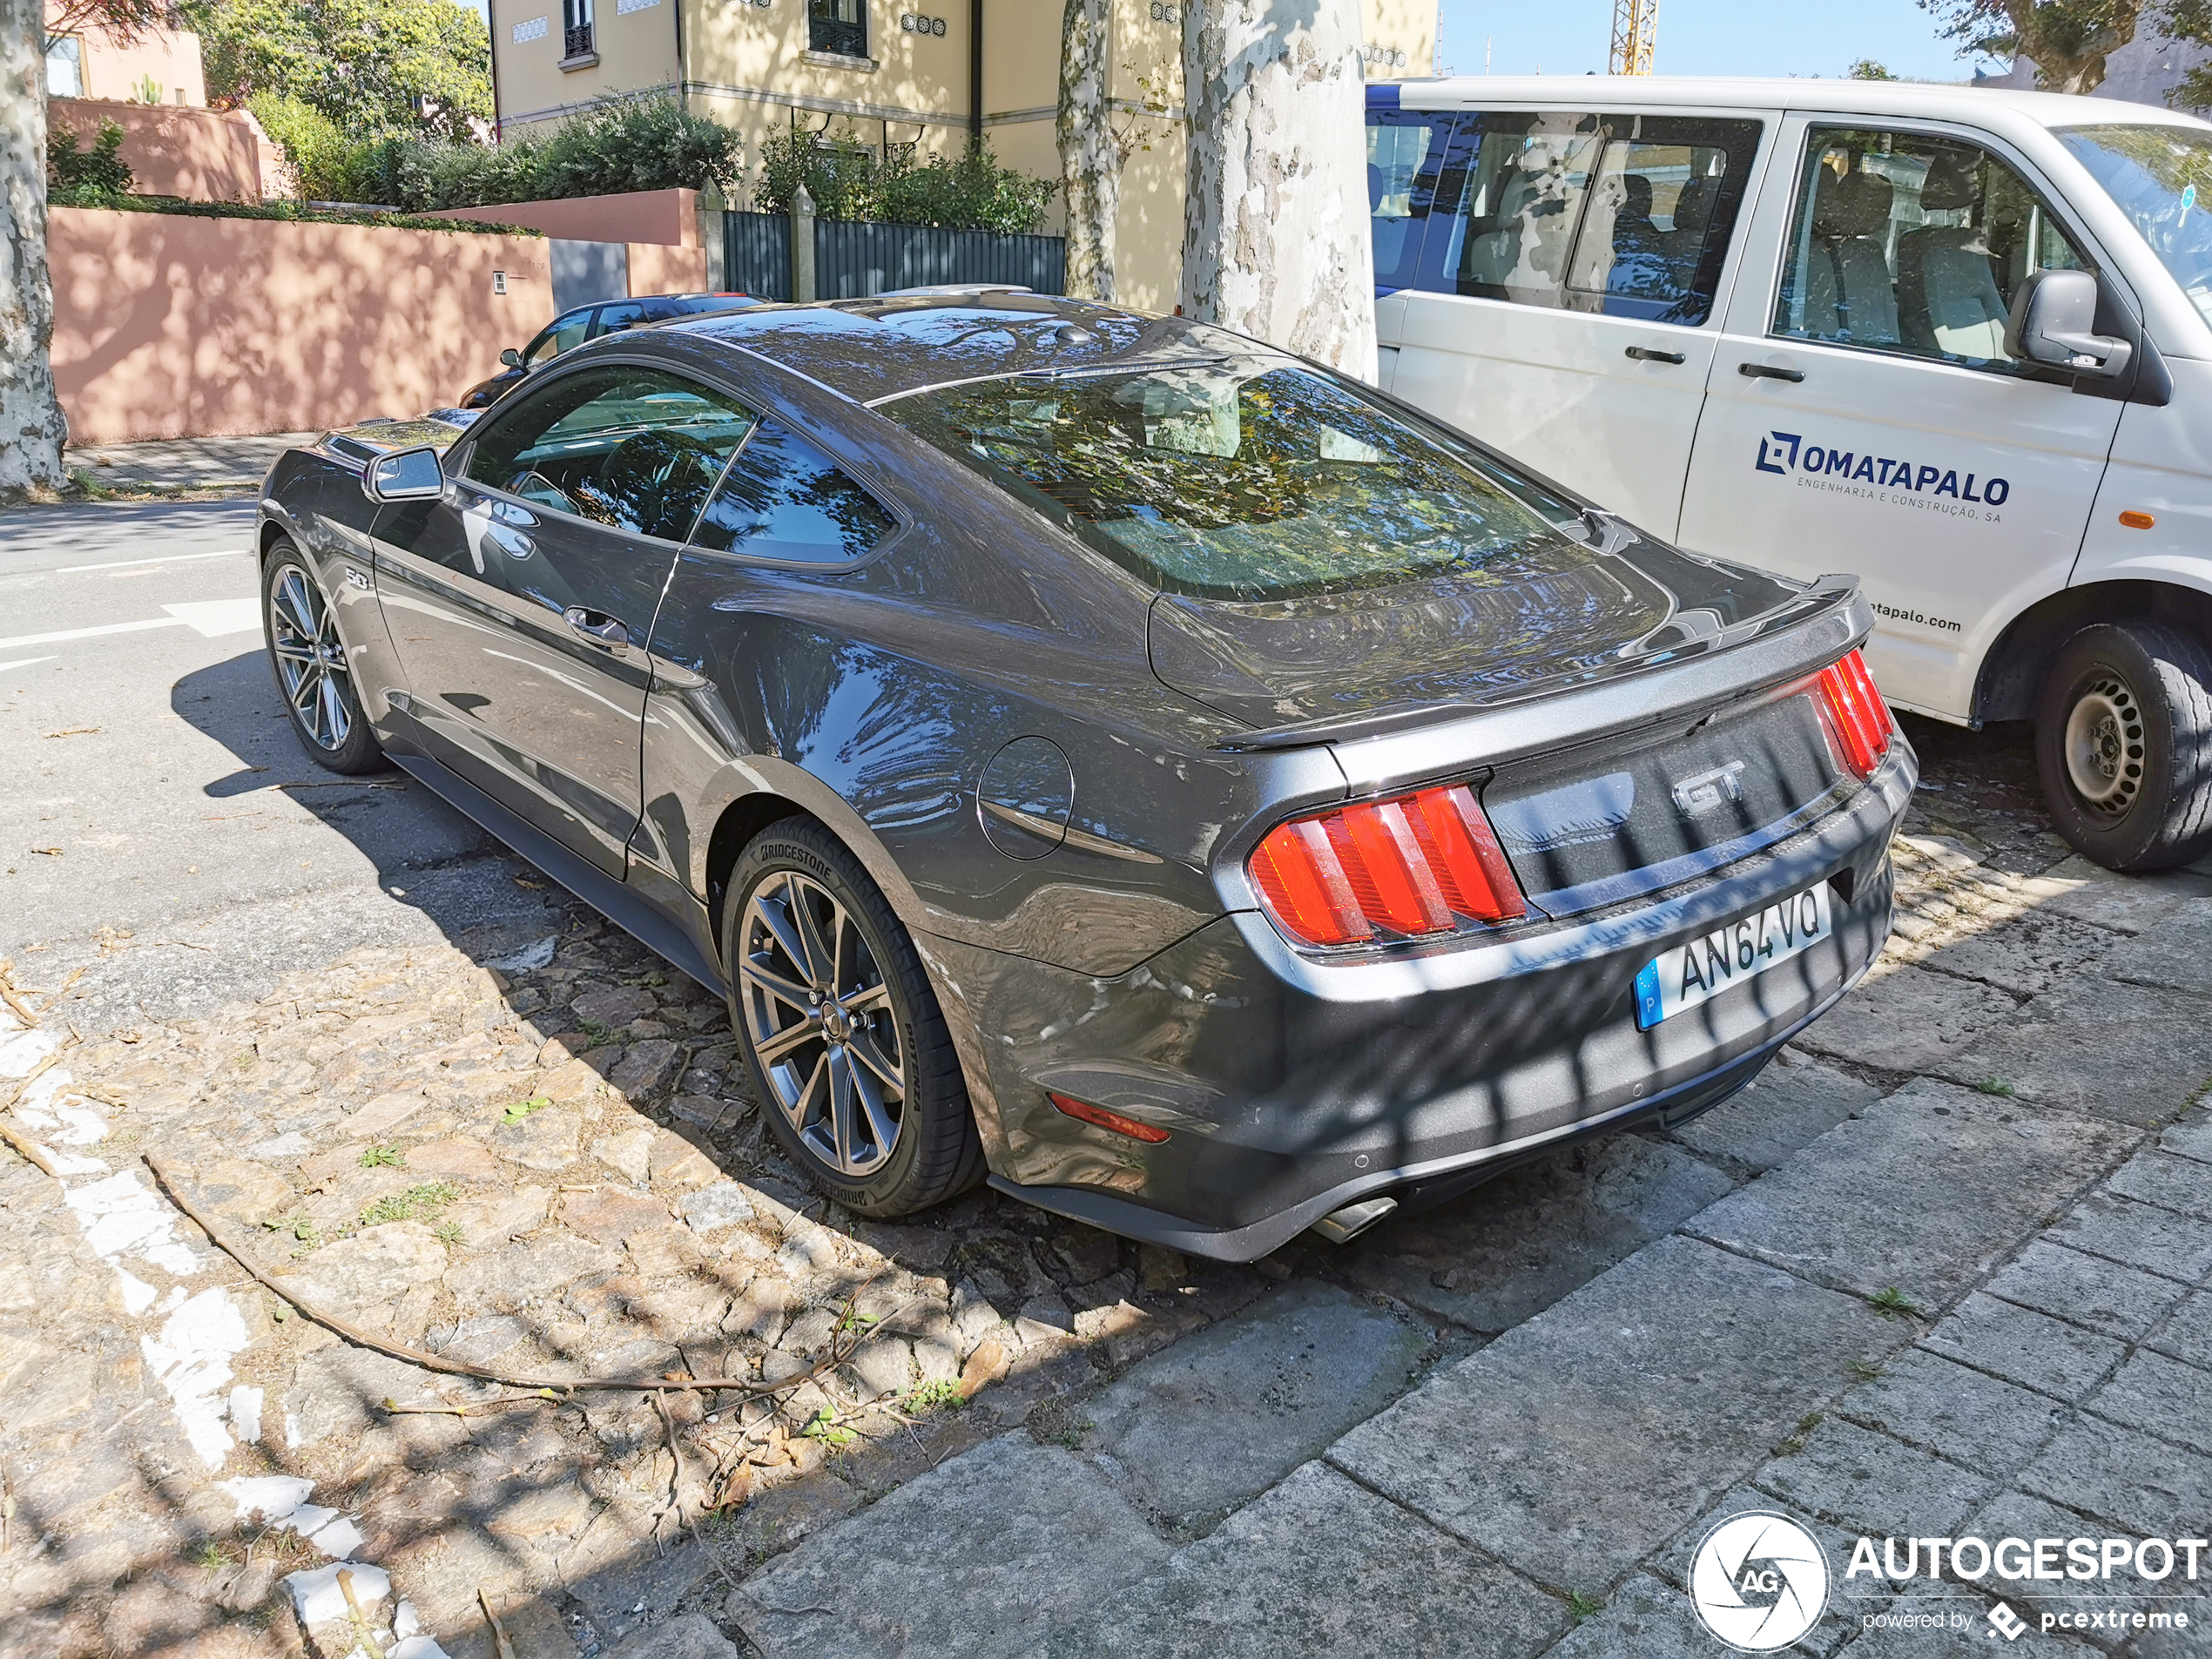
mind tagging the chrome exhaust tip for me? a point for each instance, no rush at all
(1342, 1226)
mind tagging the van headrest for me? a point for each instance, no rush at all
(1858, 203)
(1951, 182)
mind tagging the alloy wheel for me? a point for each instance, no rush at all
(2103, 745)
(311, 660)
(820, 1019)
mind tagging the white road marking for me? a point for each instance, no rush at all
(24, 662)
(55, 638)
(212, 618)
(165, 559)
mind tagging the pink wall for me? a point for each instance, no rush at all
(669, 216)
(114, 67)
(169, 326)
(658, 269)
(201, 155)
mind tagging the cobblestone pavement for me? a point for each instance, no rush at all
(1942, 1271)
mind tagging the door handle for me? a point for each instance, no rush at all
(1652, 354)
(1769, 372)
(597, 627)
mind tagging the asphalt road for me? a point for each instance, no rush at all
(160, 827)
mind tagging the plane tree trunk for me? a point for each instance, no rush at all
(1275, 236)
(31, 427)
(1090, 156)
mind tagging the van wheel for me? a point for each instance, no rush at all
(2123, 740)
(849, 1054)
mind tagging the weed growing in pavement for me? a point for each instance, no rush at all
(1996, 1085)
(943, 1395)
(389, 1157)
(824, 1427)
(1893, 1301)
(424, 1198)
(1581, 1606)
(854, 1320)
(212, 1556)
(1794, 1442)
(447, 1232)
(301, 1226)
(517, 1111)
(599, 1031)
(1865, 1370)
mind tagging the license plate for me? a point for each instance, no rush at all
(1692, 974)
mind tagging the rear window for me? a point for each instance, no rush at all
(1238, 479)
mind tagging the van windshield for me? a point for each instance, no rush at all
(2161, 179)
(1237, 479)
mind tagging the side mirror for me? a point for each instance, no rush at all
(410, 474)
(2054, 321)
(511, 358)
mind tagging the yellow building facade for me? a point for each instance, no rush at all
(891, 72)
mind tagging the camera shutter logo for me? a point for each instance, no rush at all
(1759, 1581)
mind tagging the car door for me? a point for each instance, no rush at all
(520, 604)
(1864, 414)
(1561, 305)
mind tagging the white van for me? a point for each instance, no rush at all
(1953, 341)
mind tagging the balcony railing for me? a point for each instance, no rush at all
(576, 42)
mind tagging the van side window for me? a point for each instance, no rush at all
(1405, 159)
(1625, 215)
(1908, 243)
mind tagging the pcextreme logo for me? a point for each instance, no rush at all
(1759, 1581)
(1788, 452)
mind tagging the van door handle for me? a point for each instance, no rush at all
(1652, 354)
(597, 627)
(1769, 372)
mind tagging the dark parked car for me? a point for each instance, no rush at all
(1194, 790)
(579, 323)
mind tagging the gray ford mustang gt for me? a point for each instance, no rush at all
(1102, 754)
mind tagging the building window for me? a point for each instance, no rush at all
(65, 67)
(839, 26)
(575, 28)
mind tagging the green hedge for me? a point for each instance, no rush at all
(971, 191)
(295, 213)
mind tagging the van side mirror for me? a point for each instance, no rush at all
(2054, 321)
(511, 358)
(409, 474)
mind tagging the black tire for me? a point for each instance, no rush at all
(2123, 741)
(934, 1152)
(316, 691)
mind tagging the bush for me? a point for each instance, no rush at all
(970, 191)
(90, 177)
(642, 143)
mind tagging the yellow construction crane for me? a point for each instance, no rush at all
(1635, 36)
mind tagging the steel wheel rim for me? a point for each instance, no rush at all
(2103, 745)
(820, 1018)
(310, 661)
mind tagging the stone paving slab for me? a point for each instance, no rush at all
(1793, 1103)
(1864, 1479)
(197, 463)
(2131, 1053)
(1221, 1416)
(1497, 1448)
(1956, 1179)
(1320, 1565)
(1913, 1020)
(1968, 1416)
(980, 1557)
(2026, 1347)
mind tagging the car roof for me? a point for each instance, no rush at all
(880, 347)
(1926, 99)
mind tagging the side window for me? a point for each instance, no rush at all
(1405, 159)
(1627, 215)
(566, 334)
(785, 499)
(615, 318)
(1913, 243)
(635, 449)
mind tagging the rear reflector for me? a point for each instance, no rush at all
(1858, 718)
(1104, 1119)
(1411, 868)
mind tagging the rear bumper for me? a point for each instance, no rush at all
(1286, 1098)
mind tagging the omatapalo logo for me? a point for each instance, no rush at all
(1786, 452)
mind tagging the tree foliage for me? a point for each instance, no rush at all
(2068, 40)
(970, 191)
(372, 68)
(126, 20)
(1866, 68)
(643, 144)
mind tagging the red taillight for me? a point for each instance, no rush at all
(1098, 1114)
(1858, 717)
(1408, 868)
